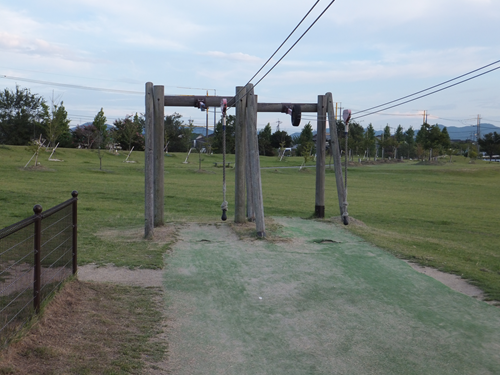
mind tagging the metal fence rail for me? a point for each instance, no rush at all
(36, 255)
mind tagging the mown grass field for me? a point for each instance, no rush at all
(445, 216)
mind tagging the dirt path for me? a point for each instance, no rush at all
(319, 302)
(121, 275)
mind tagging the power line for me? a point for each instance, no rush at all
(298, 40)
(286, 53)
(281, 45)
(429, 88)
(72, 86)
(423, 96)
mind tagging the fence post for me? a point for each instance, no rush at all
(37, 266)
(74, 194)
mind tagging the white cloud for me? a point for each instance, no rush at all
(234, 56)
(39, 47)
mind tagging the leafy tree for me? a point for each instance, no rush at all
(188, 136)
(306, 143)
(423, 139)
(264, 136)
(84, 136)
(399, 135)
(369, 141)
(280, 138)
(355, 140)
(399, 138)
(432, 138)
(177, 134)
(387, 143)
(217, 142)
(56, 123)
(129, 133)
(409, 143)
(490, 143)
(102, 134)
(436, 140)
(21, 116)
(445, 138)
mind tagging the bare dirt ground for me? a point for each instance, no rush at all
(119, 275)
(452, 281)
(90, 328)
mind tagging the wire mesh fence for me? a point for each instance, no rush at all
(36, 255)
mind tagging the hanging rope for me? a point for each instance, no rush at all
(347, 116)
(224, 205)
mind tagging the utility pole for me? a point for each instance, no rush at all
(478, 135)
(206, 132)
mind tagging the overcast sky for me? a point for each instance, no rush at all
(365, 52)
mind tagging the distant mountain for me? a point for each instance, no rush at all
(469, 132)
(201, 130)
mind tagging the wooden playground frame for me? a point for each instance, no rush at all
(248, 205)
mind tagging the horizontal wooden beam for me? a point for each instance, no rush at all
(277, 107)
(190, 101)
(214, 101)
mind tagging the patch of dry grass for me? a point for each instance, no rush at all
(91, 328)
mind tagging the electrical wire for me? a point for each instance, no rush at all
(429, 88)
(298, 40)
(70, 85)
(73, 86)
(423, 96)
(281, 45)
(288, 51)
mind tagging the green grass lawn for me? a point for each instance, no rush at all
(445, 216)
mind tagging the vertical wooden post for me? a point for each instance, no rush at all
(159, 158)
(248, 178)
(253, 154)
(74, 207)
(37, 248)
(319, 209)
(149, 163)
(248, 171)
(240, 159)
(337, 164)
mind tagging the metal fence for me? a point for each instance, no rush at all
(36, 255)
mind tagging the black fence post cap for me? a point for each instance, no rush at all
(37, 209)
(74, 194)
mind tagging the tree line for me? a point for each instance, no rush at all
(25, 116)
